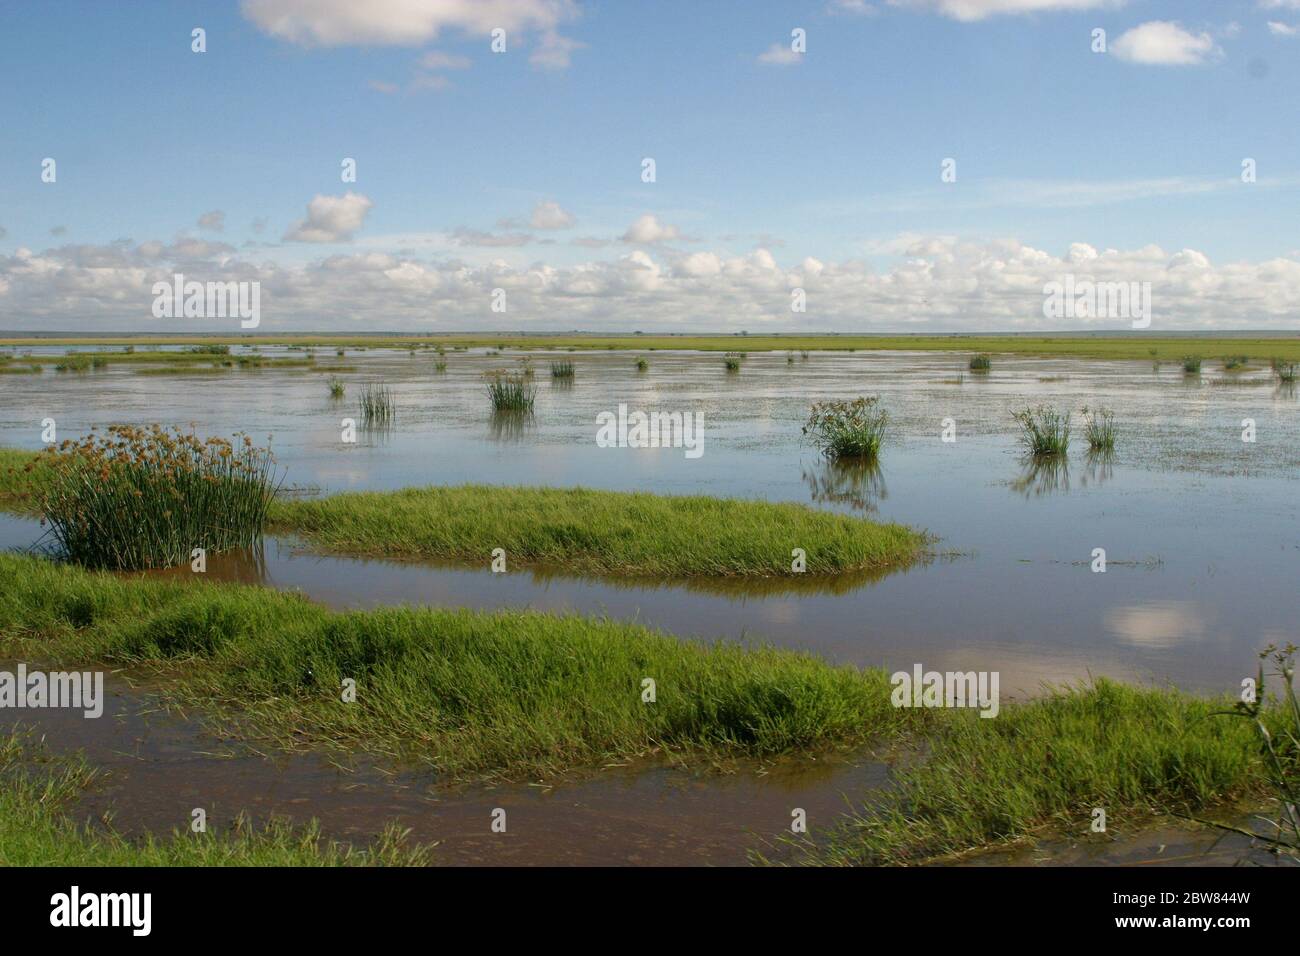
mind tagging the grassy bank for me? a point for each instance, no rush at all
(597, 532)
(1044, 766)
(37, 828)
(471, 693)
(578, 531)
(1126, 346)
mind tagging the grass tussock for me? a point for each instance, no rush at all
(981, 363)
(843, 430)
(563, 369)
(583, 531)
(472, 694)
(134, 498)
(1099, 428)
(336, 387)
(376, 404)
(1044, 430)
(38, 790)
(1192, 364)
(510, 392)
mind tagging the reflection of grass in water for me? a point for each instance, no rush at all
(509, 426)
(854, 482)
(1101, 465)
(38, 827)
(1043, 475)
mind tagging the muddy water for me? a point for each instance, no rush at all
(155, 768)
(1200, 529)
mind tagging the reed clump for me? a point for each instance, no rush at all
(510, 391)
(843, 430)
(1044, 430)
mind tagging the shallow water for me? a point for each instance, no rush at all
(1201, 530)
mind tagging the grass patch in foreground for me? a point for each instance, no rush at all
(1044, 765)
(36, 829)
(582, 531)
(474, 694)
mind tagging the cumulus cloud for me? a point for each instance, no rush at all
(437, 60)
(779, 54)
(971, 10)
(550, 215)
(932, 283)
(331, 219)
(857, 8)
(214, 221)
(1282, 29)
(474, 237)
(553, 52)
(648, 229)
(1164, 43)
(399, 22)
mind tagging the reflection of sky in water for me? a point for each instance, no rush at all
(1221, 516)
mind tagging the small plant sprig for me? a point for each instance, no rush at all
(843, 430)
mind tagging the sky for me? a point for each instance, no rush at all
(908, 165)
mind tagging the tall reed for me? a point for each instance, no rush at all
(510, 392)
(1044, 430)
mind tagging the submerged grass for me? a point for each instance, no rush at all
(473, 694)
(1045, 764)
(598, 532)
(37, 790)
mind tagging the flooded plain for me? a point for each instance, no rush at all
(1201, 530)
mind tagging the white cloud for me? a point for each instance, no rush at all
(552, 51)
(1164, 43)
(933, 283)
(971, 10)
(779, 54)
(399, 22)
(331, 218)
(1282, 29)
(437, 60)
(857, 8)
(550, 215)
(648, 229)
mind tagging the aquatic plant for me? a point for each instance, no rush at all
(981, 363)
(1285, 371)
(135, 498)
(440, 366)
(732, 364)
(1232, 363)
(642, 365)
(376, 404)
(1044, 430)
(336, 386)
(562, 369)
(510, 392)
(1099, 428)
(1192, 364)
(73, 363)
(848, 430)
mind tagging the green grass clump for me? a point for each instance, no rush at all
(848, 430)
(598, 532)
(11, 369)
(74, 363)
(473, 694)
(376, 404)
(1285, 371)
(981, 363)
(1234, 363)
(732, 363)
(562, 369)
(1044, 430)
(510, 392)
(38, 790)
(1192, 364)
(137, 498)
(1046, 764)
(1099, 428)
(209, 349)
(336, 386)
(642, 365)
(440, 366)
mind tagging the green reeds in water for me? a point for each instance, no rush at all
(732, 362)
(1285, 371)
(138, 498)
(336, 387)
(376, 403)
(981, 363)
(510, 392)
(642, 365)
(1192, 364)
(1044, 430)
(562, 369)
(1099, 428)
(74, 363)
(843, 430)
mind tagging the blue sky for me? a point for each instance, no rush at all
(833, 156)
